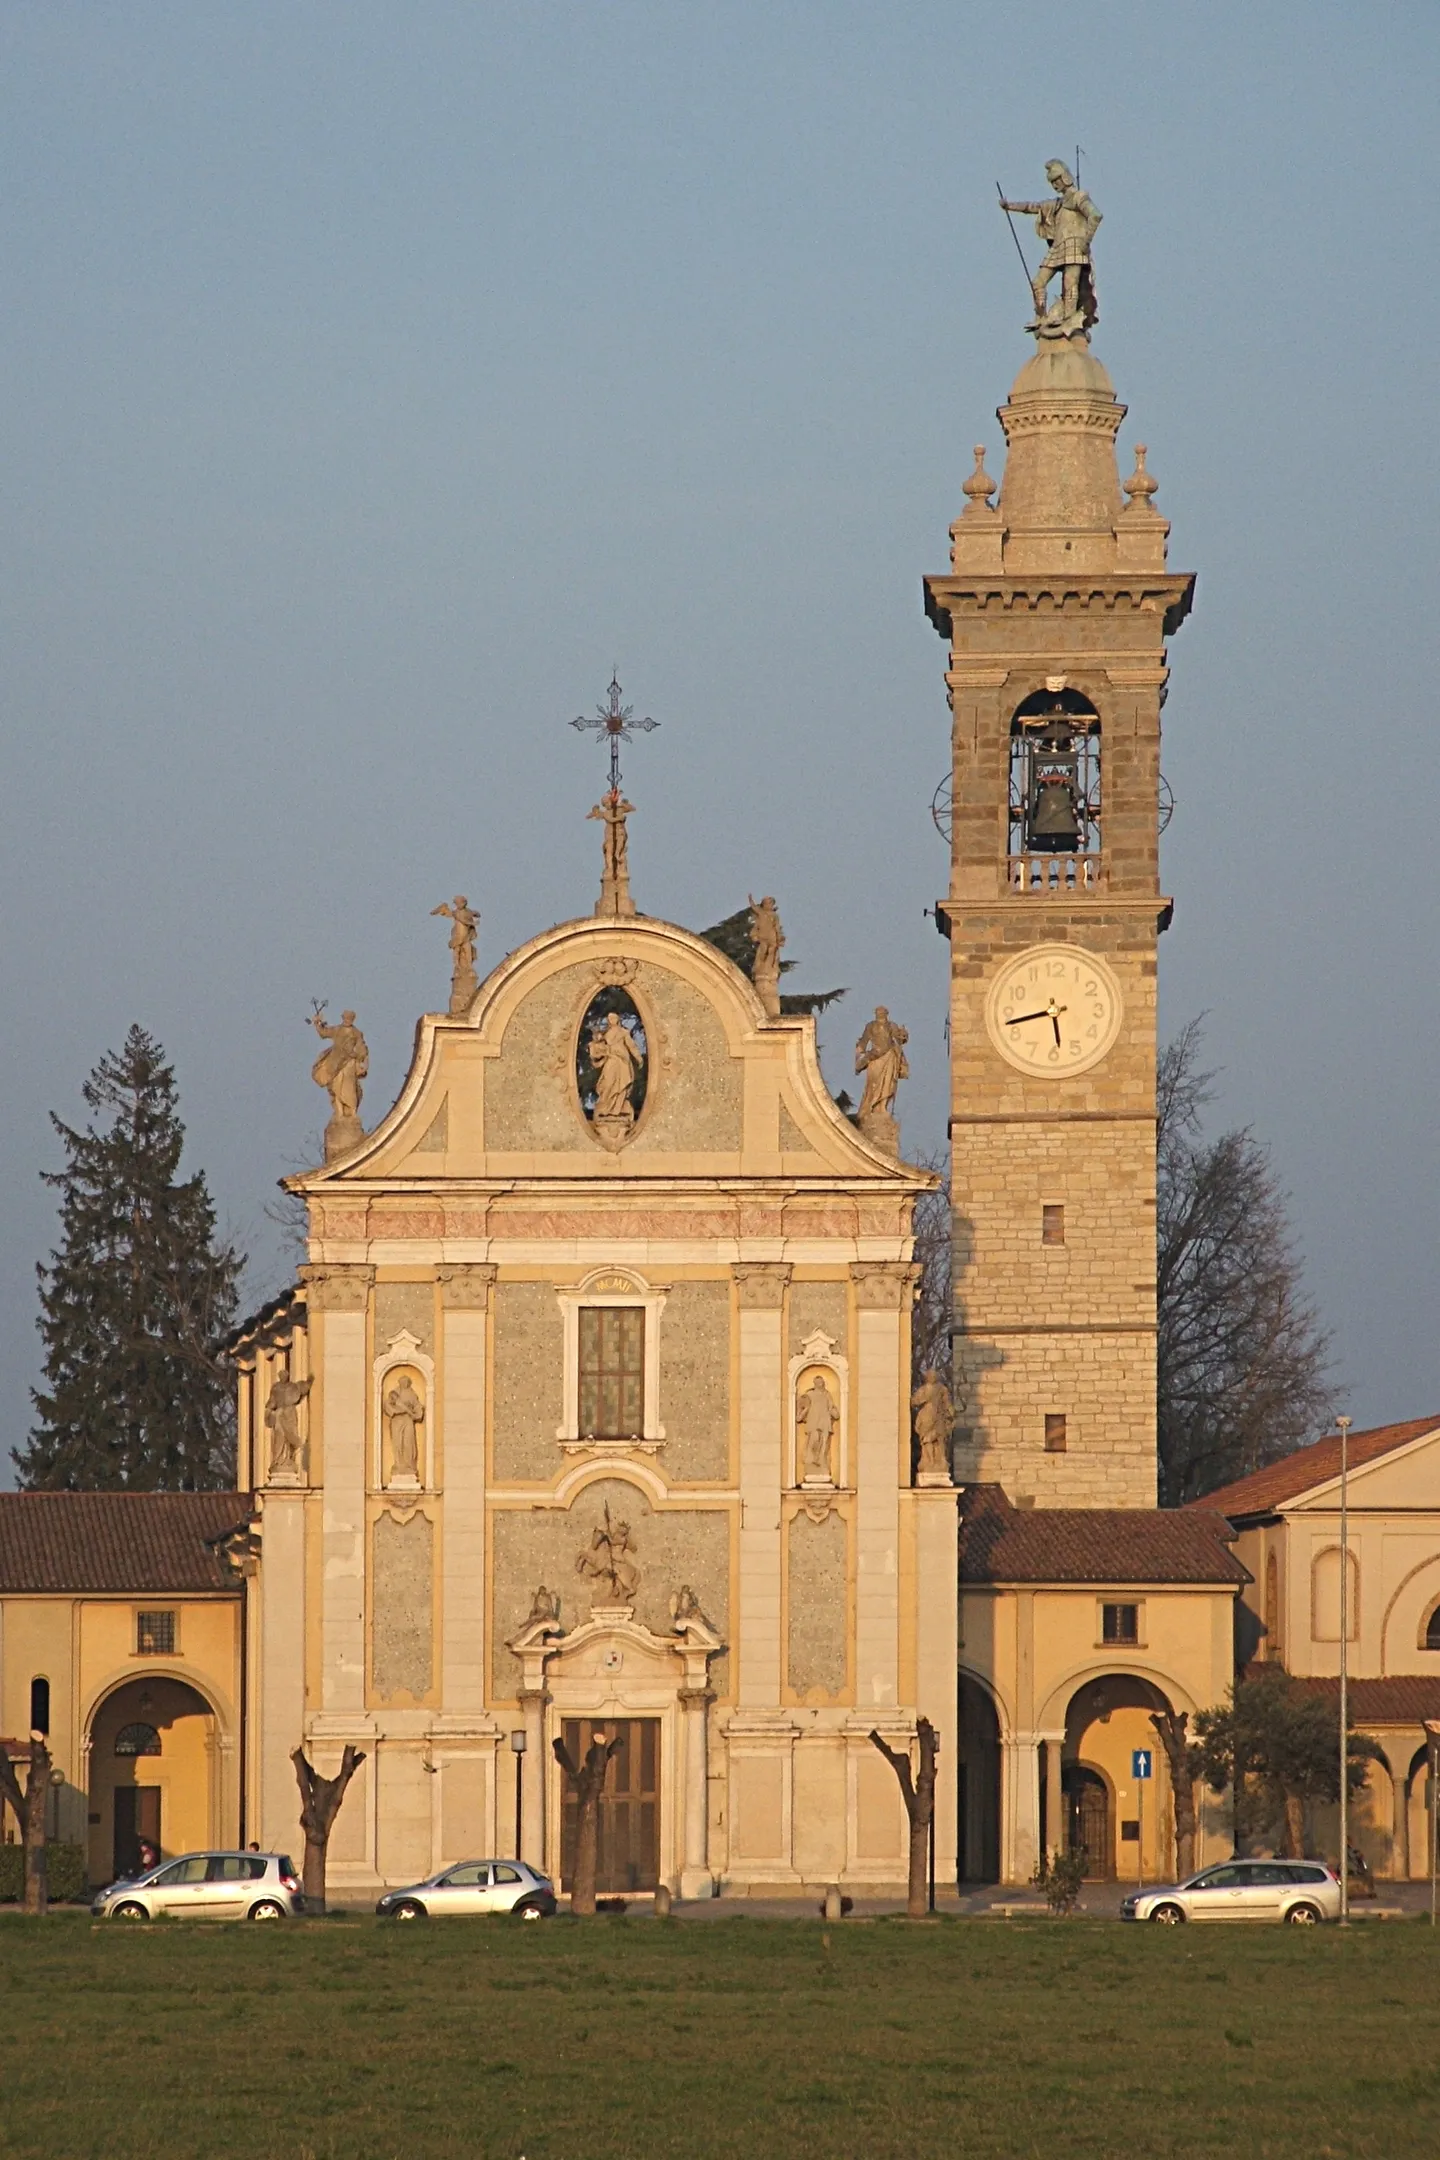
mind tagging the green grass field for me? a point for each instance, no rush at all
(347, 2040)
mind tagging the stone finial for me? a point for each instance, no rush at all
(978, 489)
(1141, 486)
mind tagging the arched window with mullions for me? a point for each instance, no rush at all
(1055, 804)
(137, 1739)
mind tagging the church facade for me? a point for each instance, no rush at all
(591, 1410)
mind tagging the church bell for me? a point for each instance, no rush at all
(1053, 820)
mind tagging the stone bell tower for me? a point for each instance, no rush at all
(1056, 607)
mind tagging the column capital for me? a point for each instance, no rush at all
(337, 1289)
(761, 1284)
(884, 1285)
(465, 1286)
(695, 1698)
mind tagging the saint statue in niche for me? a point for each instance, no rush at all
(405, 1413)
(611, 1065)
(816, 1418)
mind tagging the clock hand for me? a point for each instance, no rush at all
(1055, 1023)
(1022, 1017)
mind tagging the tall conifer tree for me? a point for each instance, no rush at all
(136, 1300)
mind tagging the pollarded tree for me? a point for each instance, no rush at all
(1242, 1359)
(135, 1302)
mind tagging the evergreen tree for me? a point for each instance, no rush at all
(136, 1301)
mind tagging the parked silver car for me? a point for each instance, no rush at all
(207, 1886)
(1304, 1892)
(475, 1886)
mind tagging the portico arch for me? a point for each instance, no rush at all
(154, 1746)
(1124, 1822)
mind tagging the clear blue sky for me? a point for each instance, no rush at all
(375, 377)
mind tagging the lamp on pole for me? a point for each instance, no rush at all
(517, 1747)
(1344, 1428)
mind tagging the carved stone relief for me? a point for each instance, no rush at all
(669, 1547)
(760, 1284)
(465, 1286)
(337, 1289)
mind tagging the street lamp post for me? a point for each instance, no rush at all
(517, 1745)
(1344, 1426)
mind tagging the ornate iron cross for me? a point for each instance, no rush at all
(618, 722)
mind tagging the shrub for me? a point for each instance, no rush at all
(65, 1865)
(1058, 1879)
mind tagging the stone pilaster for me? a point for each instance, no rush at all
(760, 1290)
(884, 1291)
(696, 1880)
(464, 1320)
(338, 1298)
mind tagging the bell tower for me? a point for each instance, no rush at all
(1056, 609)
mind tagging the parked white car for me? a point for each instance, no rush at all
(475, 1886)
(207, 1886)
(1303, 1892)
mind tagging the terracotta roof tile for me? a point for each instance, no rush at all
(1399, 1699)
(1004, 1544)
(1265, 1490)
(147, 1543)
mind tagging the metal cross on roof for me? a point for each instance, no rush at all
(616, 721)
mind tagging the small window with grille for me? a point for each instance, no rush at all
(612, 1372)
(1120, 1623)
(155, 1634)
(1055, 1441)
(137, 1739)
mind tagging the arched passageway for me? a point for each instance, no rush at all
(979, 1780)
(1124, 1823)
(154, 1773)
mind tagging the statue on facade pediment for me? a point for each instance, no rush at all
(340, 1069)
(880, 1055)
(464, 929)
(767, 938)
(544, 1608)
(612, 810)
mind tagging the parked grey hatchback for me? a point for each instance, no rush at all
(207, 1886)
(1302, 1892)
(474, 1886)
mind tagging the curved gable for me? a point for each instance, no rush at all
(728, 1090)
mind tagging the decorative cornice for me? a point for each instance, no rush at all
(884, 1285)
(337, 1289)
(465, 1286)
(760, 1284)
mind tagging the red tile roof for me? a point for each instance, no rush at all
(1004, 1544)
(1401, 1699)
(1265, 1490)
(145, 1543)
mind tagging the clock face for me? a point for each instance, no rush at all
(1054, 1010)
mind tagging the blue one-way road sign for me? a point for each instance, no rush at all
(1140, 1761)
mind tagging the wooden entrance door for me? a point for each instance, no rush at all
(137, 1816)
(629, 1842)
